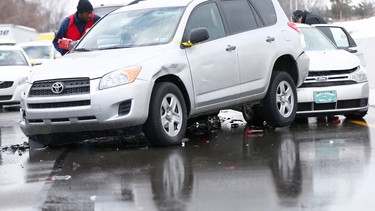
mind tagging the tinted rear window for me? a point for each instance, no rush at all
(239, 15)
(266, 10)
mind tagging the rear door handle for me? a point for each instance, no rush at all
(230, 48)
(270, 39)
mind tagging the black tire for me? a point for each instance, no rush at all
(357, 115)
(160, 110)
(252, 115)
(280, 104)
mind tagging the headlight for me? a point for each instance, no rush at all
(119, 77)
(360, 75)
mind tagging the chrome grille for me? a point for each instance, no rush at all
(71, 87)
(329, 78)
(333, 72)
(325, 84)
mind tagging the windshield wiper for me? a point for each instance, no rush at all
(82, 49)
(116, 47)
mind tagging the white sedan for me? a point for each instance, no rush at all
(14, 69)
(337, 82)
(40, 51)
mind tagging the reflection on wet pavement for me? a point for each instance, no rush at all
(316, 164)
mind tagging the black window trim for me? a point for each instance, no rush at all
(260, 16)
(252, 8)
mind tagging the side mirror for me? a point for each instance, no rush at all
(198, 35)
(72, 44)
(351, 50)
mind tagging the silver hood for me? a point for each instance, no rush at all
(93, 64)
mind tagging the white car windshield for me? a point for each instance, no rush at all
(102, 11)
(12, 58)
(314, 40)
(133, 29)
(38, 52)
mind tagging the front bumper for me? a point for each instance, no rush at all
(350, 98)
(109, 109)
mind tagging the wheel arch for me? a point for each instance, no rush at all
(178, 82)
(288, 64)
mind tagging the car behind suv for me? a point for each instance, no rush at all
(14, 68)
(153, 65)
(337, 82)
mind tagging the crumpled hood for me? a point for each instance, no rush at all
(11, 73)
(93, 64)
(332, 60)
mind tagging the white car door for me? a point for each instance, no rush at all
(213, 63)
(342, 39)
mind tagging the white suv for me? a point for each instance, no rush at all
(153, 65)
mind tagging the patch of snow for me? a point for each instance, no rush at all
(359, 28)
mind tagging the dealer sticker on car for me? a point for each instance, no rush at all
(325, 97)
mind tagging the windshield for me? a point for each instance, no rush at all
(313, 40)
(12, 58)
(133, 29)
(102, 11)
(38, 52)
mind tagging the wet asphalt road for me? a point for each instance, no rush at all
(316, 164)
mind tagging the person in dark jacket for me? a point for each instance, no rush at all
(75, 26)
(307, 17)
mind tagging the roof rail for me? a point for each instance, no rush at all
(135, 2)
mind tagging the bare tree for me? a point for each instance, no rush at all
(56, 11)
(18, 12)
(42, 15)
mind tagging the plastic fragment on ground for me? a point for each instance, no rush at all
(253, 131)
(65, 177)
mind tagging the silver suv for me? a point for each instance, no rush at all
(153, 65)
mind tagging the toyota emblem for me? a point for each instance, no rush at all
(57, 87)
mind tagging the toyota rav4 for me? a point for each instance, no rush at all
(151, 66)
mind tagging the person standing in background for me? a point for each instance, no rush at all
(75, 26)
(307, 17)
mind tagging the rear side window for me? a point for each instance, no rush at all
(338, 36)
(266, 10)
(239, 15)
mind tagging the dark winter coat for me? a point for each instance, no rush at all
(80, 28)
(311, 18)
